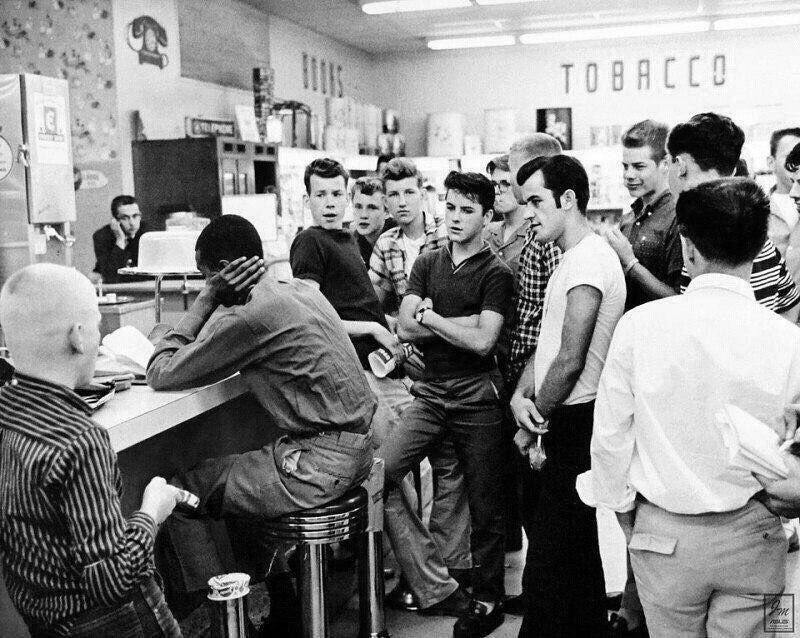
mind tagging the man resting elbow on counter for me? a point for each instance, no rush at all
(295, 357)
(73, 565)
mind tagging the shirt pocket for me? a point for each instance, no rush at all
(653, 543)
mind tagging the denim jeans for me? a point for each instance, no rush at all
(143, 615)
(467, 412)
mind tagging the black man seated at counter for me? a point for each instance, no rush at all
(298, 362)
(116, 245)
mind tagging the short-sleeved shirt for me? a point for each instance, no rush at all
(592, 262)
(772, 285)
(481, 282)
(331, 258)
(387, 266)
(509, 250)
(653, 233)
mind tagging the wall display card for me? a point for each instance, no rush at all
(6, 158)
(51, 137)
(246, 121)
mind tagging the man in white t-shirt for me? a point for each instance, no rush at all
(563, 580)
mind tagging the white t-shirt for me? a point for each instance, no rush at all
(411, 247)
(592, 262)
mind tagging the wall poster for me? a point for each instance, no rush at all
(50, 126)
(556, 122)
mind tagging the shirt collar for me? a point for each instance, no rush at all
(484, 249)
(522, 230)
(639, 206)
(62, 392)
(721, 281)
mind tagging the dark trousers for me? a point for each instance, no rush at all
(143, 615)
(466, 410)
(563, 578)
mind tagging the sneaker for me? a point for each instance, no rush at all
(456, 604)
(402, 598)
(478, 621)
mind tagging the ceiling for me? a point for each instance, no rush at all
(344, 20)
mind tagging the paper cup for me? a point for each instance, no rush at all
(381, 362)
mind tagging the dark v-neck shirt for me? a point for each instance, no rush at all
(480, 282)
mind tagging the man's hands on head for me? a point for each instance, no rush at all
(237, 276)
(119, 234)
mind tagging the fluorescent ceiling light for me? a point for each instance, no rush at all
(400, 6)
(754, 22)
(626, 31)
(493, 2)
(472, 43)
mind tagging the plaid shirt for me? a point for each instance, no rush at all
(388, 262)
(536, 263)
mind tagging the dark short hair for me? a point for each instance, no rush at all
(121, 200)
(726, 219)
(473, 186)
(498, 163)
(368, 186)
(228, 237)
(712, 140)
(383, 158)
(778, 135)
(560, 174)
(792, 162)
(648, 133)
(399, 168)
(326, 168)
(742, 169)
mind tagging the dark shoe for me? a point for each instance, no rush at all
(514, 605)
(478, 622)
(456, 604)
(613, 600)
(389, 573)
(618, 628)
(462, 576)
(402, 598)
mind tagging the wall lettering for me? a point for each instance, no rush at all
(675, 72)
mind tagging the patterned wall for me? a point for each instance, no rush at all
(69, 39)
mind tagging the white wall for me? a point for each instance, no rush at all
(288, 41)
(762, 82)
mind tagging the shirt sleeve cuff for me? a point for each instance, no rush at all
(143, 522)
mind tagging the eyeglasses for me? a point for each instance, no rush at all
(501, 187)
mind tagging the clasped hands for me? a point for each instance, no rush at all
(529, 421)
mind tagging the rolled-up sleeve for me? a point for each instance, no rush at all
(613, 435)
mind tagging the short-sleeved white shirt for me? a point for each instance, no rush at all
(592, 262)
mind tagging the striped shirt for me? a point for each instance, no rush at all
(66, 546)
(770, 281)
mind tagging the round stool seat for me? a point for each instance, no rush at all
(339, 519)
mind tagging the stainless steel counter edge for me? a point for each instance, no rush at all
(140, 413)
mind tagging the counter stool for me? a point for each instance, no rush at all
(359, 514)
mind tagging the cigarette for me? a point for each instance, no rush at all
(188, 498)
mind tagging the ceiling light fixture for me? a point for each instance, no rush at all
(755, 22)
(472, 43)
(625, 31)
(489, 3)
(401, 6)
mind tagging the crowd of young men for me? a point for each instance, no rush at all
(599, 359)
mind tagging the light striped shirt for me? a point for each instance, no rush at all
(66, 546)
(772, 285)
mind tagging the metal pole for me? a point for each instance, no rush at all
(229, 618)
(312, 597)
(158, 298)
(372, 623)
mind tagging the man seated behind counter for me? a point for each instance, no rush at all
(116, 245)
(294, 355)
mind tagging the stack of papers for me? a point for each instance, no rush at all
(124, 351)
(752, 445)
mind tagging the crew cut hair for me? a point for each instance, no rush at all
(713, 141)
(560, 173)
(534, 145)
(368, 186)
(400, 168)
(228, 237)
(726, 219)
(326, 168)
(648, 133)
(499, 163)
(473, 186)
(778, 135)
(792, 162)
(121, 200)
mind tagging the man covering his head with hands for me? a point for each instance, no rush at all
(73, 565)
